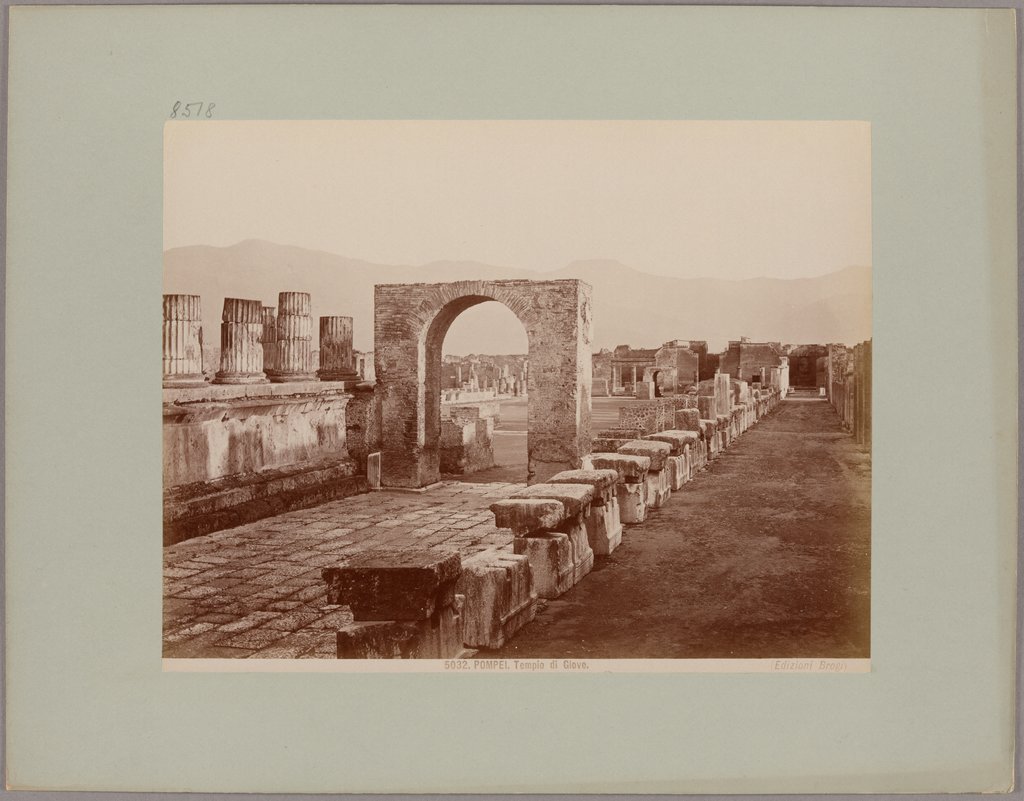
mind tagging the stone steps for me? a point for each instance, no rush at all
(197, 509)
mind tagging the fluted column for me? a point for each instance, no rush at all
(183, 341)
(269, 339)
(294, 339)
(241, 354)
(337, 361)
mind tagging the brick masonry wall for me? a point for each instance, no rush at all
(362, 426)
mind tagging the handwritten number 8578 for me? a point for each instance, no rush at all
(186, 111)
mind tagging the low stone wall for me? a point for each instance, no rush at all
(650, 416)
(489, 407)
(473, 396)
(236, 453)
(216, 431)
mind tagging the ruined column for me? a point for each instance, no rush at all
(336, 358)
(269, 339)
(183, 341)
(294, 339)
(241, 354)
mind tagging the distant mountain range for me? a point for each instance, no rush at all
(630, 307)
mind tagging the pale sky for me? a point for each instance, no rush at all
(681, 198)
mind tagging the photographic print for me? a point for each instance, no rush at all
(565, 372)
(518, 395)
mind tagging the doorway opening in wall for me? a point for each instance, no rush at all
(656, 381)
(483, 417)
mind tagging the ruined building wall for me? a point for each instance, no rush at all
(684, 364)
(754, 356)
(730, 360)
(803, 365)
(850, 392)
(710, 366)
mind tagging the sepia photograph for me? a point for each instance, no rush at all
(549, 399)
(518, 395)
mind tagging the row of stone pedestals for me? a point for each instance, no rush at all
(435, 605)
(257, 343)
(719, 417)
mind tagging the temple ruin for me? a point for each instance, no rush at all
(288, 423)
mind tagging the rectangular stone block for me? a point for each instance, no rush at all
(604, 527)
(675, 439)
(678, 471)
(438, 637)
(582, 553)
(601, 481)
(698, 457)
(575, 498)
(657, 488)
(551, 562)
(629, 468)
(655, 451)
(394, 585)
(528, 516)
(499, 597)
(706, 406)
(465, 446)
(632, 498)
(687, 419)
(608, 444)
(621, 431)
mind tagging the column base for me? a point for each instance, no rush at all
(240, 378)
(184, 381)
(278, 377)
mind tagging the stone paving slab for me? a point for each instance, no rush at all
(256, 591)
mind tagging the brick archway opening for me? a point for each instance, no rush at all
(410, 324)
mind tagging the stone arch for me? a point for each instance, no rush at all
(410, 323)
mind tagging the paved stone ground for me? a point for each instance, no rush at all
(764, 554)
(256, 590)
